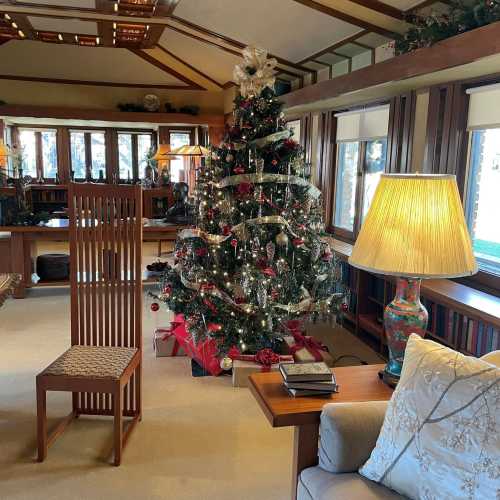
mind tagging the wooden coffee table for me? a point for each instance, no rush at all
(357, 383)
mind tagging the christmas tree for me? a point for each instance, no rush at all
(256, 258)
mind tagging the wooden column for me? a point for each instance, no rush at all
(216, 135)
(63, 154)
(111, 138)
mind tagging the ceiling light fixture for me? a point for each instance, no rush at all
(60, 37)
(116, 7)
(21, 34)
(76, 38)
(7, 17)
(97, 40)
(14, 25)
(114, 26)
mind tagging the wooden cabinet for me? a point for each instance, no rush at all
(156, 201)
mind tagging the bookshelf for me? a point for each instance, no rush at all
(460, 317)
(47, 197)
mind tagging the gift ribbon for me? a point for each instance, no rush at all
(313, 346)
(265, 358)
(168, 332)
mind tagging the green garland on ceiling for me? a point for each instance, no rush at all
(461, 16)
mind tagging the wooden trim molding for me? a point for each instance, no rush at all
(63, 81)
(381, 8)
(109, 115)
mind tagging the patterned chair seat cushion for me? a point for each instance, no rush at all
(92, 362)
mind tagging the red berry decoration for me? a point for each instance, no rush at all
(234, 242)
(155, 306)
(344, 307)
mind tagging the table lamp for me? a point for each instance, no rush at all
(415, 229)
(195, 150)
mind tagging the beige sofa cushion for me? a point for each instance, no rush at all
(317, 484)
(440, 437)
(349, 432)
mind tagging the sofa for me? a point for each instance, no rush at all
(348, 434)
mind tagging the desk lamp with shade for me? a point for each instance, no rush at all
(4, 154)
(415, 229)
(163, 161)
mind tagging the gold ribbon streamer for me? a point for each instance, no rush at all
(232, 180)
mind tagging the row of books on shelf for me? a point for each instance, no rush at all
(460, 331)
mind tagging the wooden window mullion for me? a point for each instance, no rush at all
(135, 158)
(88, 156)
(39, 155)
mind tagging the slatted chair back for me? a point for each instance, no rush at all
(105, 274)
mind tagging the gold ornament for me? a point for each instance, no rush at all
(282, 239)
(226, 363)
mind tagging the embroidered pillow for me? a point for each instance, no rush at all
(441, 433)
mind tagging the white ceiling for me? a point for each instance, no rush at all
(284, 27)
(80, 63)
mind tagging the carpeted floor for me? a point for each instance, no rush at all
(200, 438)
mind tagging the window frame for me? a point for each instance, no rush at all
(135, 151)
(361, 168)
(38, 129)
(87, 137)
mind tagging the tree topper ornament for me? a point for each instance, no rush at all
(255, 73)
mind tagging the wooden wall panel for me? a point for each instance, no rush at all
(400, 133)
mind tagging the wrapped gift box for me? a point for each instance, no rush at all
(204, 353)
(242, 369)
(166, 344)
(306, 349)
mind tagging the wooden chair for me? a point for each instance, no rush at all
(103, 366)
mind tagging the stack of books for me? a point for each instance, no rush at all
(308, 379)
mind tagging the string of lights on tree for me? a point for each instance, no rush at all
(256, 257)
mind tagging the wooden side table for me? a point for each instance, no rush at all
(357, 383)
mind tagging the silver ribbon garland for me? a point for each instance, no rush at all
(217, 239)
(233, 180)
(307, 304)
(262, 141)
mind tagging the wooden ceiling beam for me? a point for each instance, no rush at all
(167, 69)
(381, 8)
(191, 67)
(343, 16)
(233, 42)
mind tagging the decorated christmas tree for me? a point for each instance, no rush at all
(256, 258)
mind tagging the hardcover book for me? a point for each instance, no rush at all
(306, 372)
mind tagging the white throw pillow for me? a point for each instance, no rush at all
(441, 433)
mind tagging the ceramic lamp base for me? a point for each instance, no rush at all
(402, 317)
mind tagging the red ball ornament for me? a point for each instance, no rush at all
(201, 252)
(167, 290)
(344, 307)
(234, 242)
(155, 306)
(274, 162)
(226, 230)
(214, 327)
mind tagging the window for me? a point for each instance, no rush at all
(39, 150)
(482, 198)
(375, 157)
(361, 158)
(88, 154)
(294, 126)
(178, 170)
(133, 149)
(345, 193)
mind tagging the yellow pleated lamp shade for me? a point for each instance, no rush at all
(415, 227)
(4, 150)
(190, 151)
(162, 153)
